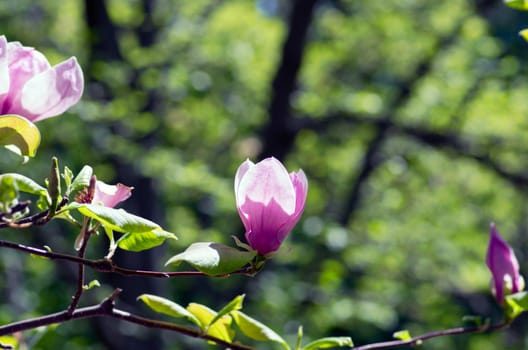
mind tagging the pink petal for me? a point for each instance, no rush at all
(241, 171)
(53, 91)
(109, 195)
(300, 183)
(23, 64)
(269, 226)
(266, 181)
(4, 72)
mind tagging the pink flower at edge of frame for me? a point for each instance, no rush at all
(504, 267)
(31, 88)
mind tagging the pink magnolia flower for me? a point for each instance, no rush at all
(110, 195)
(269, 201)
(31, 88)
(504, 267)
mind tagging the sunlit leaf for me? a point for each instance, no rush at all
(233, 305)
(9, 340)
(328, 343)
(515, 304)
(168, 307)
(117, 219)
(25, 184)
(136, 242)
(517, 4)
(82, 179)
(220, 329)
(402, 335)
(92, 284)
(256, 330)
(19, 132)
(212, 258)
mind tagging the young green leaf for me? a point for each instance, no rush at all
(117, 219)
(256, 330)
(92, 284)
(220, 329)
(167, 307)
(515, 305)
(328, 343)
(517, 4)
(136, 242)
(233, 305)
(402, 335)
(67, 175)
(212, 258)
(25, 184)
(20, 133)
(81, 181)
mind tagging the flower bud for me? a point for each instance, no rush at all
(504, 267)
(269, 201)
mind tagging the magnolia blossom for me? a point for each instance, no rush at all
(269, 201)
(31, 88)
(110, 195)
(504, 267)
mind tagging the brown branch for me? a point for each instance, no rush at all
(106, 309)
(84, 236)
(421, 338)
(108, 266)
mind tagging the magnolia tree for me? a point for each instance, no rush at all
(269, 200)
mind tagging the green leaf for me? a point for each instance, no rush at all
(167, 307)
(82, 179)
(212, 258)
(92, 284)
(25, 184)
(220, 329)
(8, 192)
(515, 305)
(517, 4)
(330, 342)
(233, 305)
(116, 219)
(19, 132)
(402, 335)
(256, 330)
(524, 34)
(9, 340)
(136, 242)
(67, 175)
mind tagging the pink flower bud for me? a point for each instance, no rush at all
(504, 267)
(269, 201)
(31, 88)
(110, 195)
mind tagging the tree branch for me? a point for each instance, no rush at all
(421, 338)
(106, 309)
(107, 265)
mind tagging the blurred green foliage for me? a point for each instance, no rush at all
(185, 101)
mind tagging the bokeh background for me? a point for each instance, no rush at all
(409, 117)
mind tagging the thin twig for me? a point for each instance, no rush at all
(85, 236)
(421, 338)
(107, 265)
